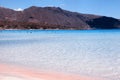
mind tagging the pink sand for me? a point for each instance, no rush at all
(8, 72)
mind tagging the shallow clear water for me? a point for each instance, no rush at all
(87, 52)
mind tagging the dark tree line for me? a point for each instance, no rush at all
(29, 25)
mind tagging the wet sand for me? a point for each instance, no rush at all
(10, 72)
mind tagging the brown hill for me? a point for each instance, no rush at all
(53, 18)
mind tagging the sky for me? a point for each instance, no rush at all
(109, 8)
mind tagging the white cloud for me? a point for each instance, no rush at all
(18, 9)
(62, 4)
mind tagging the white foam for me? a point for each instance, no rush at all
(6, 77)
(10, 78)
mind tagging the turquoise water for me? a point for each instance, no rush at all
(86, 52)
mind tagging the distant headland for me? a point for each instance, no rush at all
(53, 18)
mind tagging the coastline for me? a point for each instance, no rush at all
(10, 72)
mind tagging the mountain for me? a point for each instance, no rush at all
(53, 18)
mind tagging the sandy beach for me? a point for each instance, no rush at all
(10, 72)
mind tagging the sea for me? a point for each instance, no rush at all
(82, 52)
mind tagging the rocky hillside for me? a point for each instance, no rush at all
(53, 18)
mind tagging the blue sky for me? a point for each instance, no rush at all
(99, 7)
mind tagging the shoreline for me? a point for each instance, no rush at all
(10, 72)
